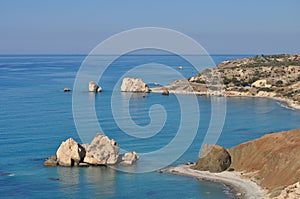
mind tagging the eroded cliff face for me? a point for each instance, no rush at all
(272, 160)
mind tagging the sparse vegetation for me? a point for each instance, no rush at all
(281, 72)
(276, 192)
(230, 169)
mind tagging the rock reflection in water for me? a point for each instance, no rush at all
(103, 180)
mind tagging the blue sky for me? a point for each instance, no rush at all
(221, 27)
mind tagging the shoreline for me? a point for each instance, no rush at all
(286, 103)
(241, 187)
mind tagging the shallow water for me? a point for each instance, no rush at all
(35, 116)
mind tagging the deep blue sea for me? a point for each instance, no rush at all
(36, 116)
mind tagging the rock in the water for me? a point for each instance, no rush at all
(51, 161)
(70, 153)
(83, 164)
(165, 92)
(134, 85)
(93, 86)
(67, 89)
(213, 158)
(99, 89)
(129, 158)
(103, 150)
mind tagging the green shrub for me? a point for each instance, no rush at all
(231, 169)
(276, 191)
(279, 83)
(266, 89)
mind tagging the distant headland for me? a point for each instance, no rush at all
(272, 76)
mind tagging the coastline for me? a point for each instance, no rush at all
(242, 187)
(287, 103)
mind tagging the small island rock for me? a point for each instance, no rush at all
(93, 86)
(67, 89)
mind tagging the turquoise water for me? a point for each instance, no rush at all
(35, 116)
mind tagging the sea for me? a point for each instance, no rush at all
(36, 116)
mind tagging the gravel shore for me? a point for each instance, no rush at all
(244, 188)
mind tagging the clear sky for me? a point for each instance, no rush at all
(220, 26)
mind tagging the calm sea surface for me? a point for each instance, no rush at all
(36, 116)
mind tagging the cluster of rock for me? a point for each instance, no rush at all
(101, 151)
(93, 87)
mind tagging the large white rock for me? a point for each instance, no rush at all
(134, 85)
(70, 153)
(102, 150)
(93, 86)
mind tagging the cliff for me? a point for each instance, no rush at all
(272, 161)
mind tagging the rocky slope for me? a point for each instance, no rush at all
(272, 161)
(276, 76)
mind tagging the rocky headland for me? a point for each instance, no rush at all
(100, 152)
(273, 76)
(268, 167)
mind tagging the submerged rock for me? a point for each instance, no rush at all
(134, 85)
(213, 158)
(51, 161)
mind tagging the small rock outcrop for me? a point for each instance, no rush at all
(93, 86)
(101, 151)
(51, 161)
(134, 85)
(70, 153)
(104, 150)
(165, 92)
(67, 89)
(213, 158)
(129, 158)
(99, 89)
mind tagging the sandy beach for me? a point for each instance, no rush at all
(244, 188)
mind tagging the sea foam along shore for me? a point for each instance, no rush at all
(245, 188)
